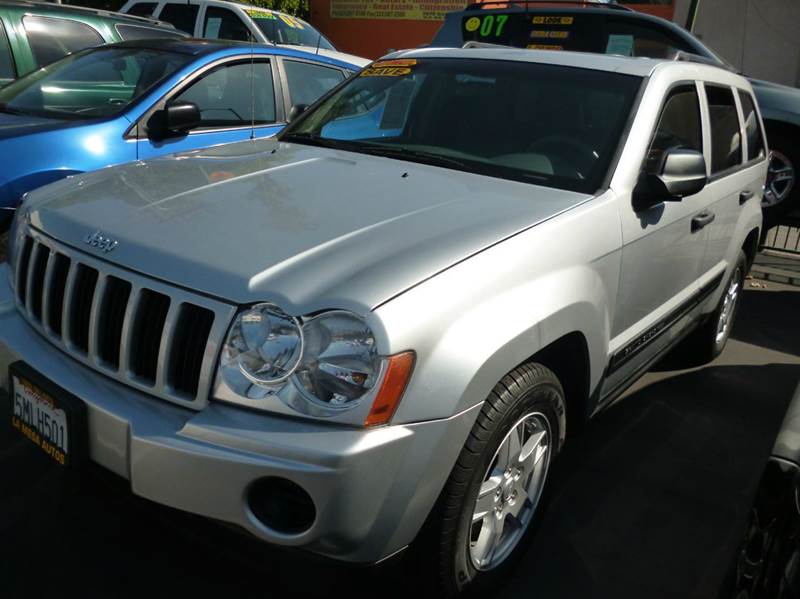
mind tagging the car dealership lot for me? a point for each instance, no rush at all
(654, 509)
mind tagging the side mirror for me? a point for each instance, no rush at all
(682, 173)
(295, 111)
(176, 119)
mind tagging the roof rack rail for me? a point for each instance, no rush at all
(682, 56)
(526, 3)
(474, 44)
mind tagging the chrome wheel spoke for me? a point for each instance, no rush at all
(782, 174)
(533, 451)
(488, 498)
(488, 539)
(513, 447)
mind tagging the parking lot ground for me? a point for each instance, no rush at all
(649, 501)
(778, 267)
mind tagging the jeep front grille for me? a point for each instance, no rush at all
(156, 338)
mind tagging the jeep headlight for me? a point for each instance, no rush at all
(340, 362)
(321, 366)
(263, 348)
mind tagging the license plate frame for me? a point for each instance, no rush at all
(46, 400)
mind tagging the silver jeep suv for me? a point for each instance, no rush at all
(392, 317)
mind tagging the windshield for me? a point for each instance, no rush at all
(539, 123)
(288, 30)
(97, 83)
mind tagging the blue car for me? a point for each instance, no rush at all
(145, 98)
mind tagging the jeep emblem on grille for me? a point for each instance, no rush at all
(104, 244)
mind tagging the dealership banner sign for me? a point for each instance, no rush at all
(427, 10)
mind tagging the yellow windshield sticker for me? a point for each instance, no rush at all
(400, 62)
(545, 47)
(259, 14)
(291, 21)
(557, 35)
(389, 68)
(553, 20)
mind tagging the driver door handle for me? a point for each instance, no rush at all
(701, 220)
(745, 196)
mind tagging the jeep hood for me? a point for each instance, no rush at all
(309, 228)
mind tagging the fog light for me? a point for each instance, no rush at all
(281, 505)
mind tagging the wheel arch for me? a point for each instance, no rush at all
(750, 246)
(568, 358)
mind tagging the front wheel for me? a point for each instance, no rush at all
(494, 492)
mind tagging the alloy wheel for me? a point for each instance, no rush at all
(728, 307)
(780, 180)
(510, 491)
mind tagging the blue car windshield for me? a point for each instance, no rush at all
(538, 123)
(96, 83)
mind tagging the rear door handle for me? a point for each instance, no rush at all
(745, 196)
(701, 220)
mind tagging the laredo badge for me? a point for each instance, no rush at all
(389, 68)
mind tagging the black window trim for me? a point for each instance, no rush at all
(237, 10)
(14, 69)
(287, 99)
(162, 4)
(754, 161)
(674, 86)
(732, 170)
(138, 130)
(613, 166)
(155, 4)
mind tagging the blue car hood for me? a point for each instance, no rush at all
(12, 125)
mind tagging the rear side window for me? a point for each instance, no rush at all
(224, 24)
(752, 128)
(6, 60)
(51, 39)
(142, 9)
(679, 126)
(308, 82)
(182, 16)
(726, 139)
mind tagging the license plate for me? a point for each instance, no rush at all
(49, 417)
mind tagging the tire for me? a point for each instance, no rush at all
(529, 402)
(782, 196)
(710, 339)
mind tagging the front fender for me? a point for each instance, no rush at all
(477, 321)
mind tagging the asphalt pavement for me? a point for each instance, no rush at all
(650, 501)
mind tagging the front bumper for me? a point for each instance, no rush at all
(372, 489)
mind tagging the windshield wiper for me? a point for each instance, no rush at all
(384, 150)
(412, 155)
(316, 140)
